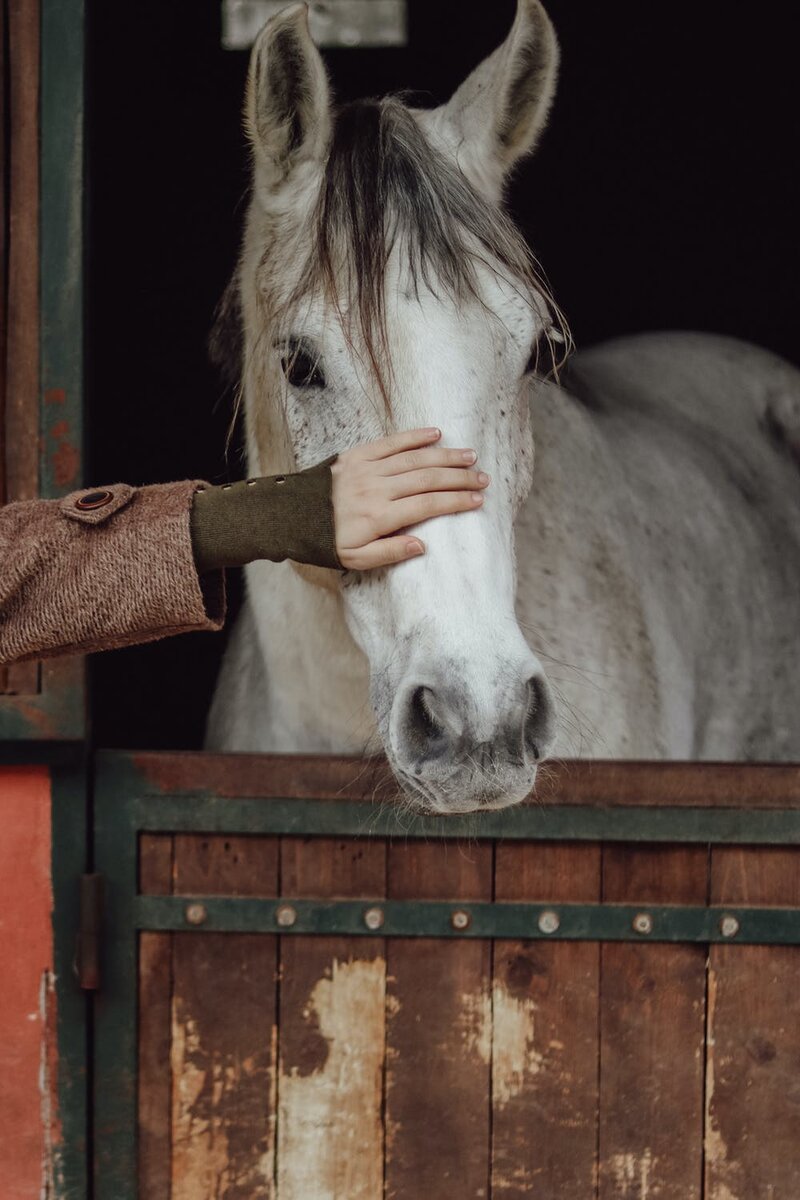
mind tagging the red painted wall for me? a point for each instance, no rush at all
(26, 961)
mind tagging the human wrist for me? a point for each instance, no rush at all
(274, 517)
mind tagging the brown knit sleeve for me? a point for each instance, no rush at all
(103, 567)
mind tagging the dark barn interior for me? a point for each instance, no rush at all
(664, 195)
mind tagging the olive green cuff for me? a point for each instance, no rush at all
(277, 517)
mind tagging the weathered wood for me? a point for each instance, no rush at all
(332, 1030)
(334, 777)
(545, 1036)
(155, 1082)
(4, 165)
(22, 334)
(4, 172)
(753, 1047)
(22, 679)
(439, 1035)
(224, 1031)
(652, 1027)
(19, 280)
(491, 1066)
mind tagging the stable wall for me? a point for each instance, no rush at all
(26, 991)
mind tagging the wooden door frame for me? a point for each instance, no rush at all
(45, 705)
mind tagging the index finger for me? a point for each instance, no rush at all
(396, 443)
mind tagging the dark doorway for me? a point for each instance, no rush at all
(664, 195)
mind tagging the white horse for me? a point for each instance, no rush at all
(657, 572)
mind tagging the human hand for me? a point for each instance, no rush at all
(384, 486)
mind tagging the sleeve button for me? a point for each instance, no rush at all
(94, 500)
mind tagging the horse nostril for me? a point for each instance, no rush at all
(422, 714)
(538, 715)
(425, 729)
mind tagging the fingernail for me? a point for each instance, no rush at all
(477, 498)
(483, 477)
(433, 432)
(469, 456)
(415, 548)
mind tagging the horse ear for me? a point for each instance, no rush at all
(287, 103)
(498, 113)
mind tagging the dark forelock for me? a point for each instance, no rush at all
(384, 184)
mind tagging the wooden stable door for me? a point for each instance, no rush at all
(275, 1060)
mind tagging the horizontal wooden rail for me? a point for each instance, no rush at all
(578, 782)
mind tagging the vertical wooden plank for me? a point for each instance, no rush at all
(223, 1030)
(332, 1030)
(19, 344)
(4, 174)
(439, 1034)
(545, 1037)
(753, 1068)
(22, 314)
(651, 1035)
(155, 1000)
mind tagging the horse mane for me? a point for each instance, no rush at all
(383, 185)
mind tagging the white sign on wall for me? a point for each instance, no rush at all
(333, 22)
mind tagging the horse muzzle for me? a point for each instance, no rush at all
(460, 749)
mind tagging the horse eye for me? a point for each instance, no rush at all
(542, 361)
(301, 366)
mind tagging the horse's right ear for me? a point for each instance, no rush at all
(287, 103)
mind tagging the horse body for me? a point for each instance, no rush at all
(659, 551)
(658, 558)
(641, 583)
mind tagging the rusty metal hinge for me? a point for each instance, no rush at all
(92, 892)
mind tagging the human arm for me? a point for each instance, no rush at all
(345, 512)
(115, 566)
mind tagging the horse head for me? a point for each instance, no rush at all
(382, 287)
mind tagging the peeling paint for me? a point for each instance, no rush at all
(66, 462)
(499, 1028)
(515, 1060)
(632, 1175)
(65, 458)
(48, 1082)
(203, 1161)
(330, 1130)
(475, 1023)
(30, 1128)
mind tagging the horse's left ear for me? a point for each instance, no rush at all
(287, 103)
(498, 113)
